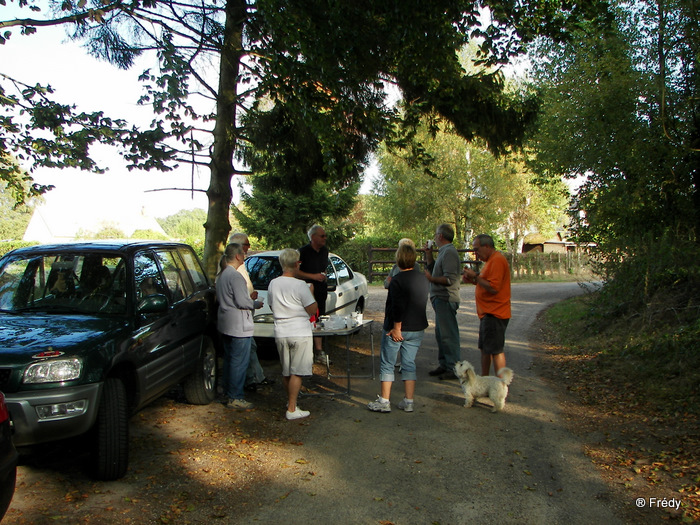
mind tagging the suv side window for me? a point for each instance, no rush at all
(147, 277)
(194, 269)
(175, 277)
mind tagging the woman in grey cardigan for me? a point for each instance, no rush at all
(235, 323)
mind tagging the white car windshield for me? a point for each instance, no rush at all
(262, 269)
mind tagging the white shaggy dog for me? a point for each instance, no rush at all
(493, 387)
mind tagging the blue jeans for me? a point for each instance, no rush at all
(236, 358)
(447, 332)
(255, 373)
(408, 349)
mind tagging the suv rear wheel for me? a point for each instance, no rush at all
(111, 444)
(200, 386)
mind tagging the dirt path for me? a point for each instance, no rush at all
(445, 463)
(441, 464)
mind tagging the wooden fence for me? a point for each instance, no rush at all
(540, 266)
(381, 260)
(523, 266)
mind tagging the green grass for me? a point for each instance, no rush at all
(659, 361)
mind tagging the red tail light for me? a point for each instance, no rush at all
(4, 414)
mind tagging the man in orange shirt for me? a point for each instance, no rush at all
(492, 302)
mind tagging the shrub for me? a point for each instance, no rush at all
(7, 246)
(355, 251)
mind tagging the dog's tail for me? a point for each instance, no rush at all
(506, 375)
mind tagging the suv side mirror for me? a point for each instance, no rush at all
(156, 303)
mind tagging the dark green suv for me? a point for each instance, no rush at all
(91, 332)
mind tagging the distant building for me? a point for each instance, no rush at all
(536, 242)
(55, 221)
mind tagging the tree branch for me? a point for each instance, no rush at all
(90, 14)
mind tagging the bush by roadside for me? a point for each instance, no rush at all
(7, 246)
(637, 384)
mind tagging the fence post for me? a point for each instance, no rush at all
(559, 265)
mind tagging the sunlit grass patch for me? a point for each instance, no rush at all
(660, 362)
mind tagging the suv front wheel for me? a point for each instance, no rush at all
(111, 444)
(200, 386)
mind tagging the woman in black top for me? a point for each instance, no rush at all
(405, 322)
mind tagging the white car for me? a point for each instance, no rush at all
(347, 290)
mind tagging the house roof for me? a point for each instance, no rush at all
(63, 218)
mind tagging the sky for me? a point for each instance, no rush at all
(49, 58)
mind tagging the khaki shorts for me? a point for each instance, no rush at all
(296, 355)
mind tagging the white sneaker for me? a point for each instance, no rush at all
(297, 414)
(240, 404)
(379, 405)
(406, 405)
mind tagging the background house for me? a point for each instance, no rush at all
(65, 215)
(536, 242)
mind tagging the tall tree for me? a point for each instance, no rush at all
(185, 224)
(13, 219)
(324, 62)
(621, 109)
(468, 187)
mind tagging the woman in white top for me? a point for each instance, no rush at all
(292, 303)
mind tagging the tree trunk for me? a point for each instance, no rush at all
(225, 134)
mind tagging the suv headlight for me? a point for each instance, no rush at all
(54, 371)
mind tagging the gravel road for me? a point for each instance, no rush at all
(445, 463)
(442, 464)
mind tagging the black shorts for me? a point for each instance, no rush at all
(492, 334)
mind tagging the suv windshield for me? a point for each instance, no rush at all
(66, 282)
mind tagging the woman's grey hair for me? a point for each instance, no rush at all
(288, 258)
(229, 255)
(232, 250)
(313, 230)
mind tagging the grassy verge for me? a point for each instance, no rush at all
(637, 381)
(661, 361)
